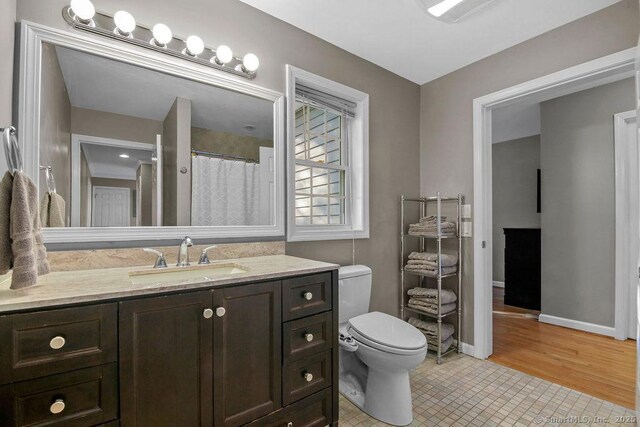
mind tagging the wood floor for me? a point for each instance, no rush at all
(594, 364)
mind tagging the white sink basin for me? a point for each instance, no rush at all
(199, 273)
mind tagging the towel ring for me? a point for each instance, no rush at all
(11, 149)
(51, 182)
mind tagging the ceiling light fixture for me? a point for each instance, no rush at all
(124, 156)
(81, 15)
(452, 11)
(125, 23)
(249, 128)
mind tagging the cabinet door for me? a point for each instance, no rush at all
(165, 361)
(247, 353)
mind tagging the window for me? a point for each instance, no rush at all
(328, 159)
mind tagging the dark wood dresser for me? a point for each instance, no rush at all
(522, 267)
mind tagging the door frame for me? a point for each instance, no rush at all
(627, 189)
(76, 144)
(93, 193)
(581, 77)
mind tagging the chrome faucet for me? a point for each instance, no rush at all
(183, 253)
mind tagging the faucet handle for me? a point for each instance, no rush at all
(204, 256)
(161, 262)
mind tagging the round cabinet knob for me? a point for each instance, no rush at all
(207, 313)
(57, 406)
(57, 343)
(308, 296)
(308, 337)
(308, 377)
(220, 311)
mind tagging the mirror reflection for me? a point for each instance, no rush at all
(122, 146)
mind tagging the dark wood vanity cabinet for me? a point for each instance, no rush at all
(166, 361)
(264, 354)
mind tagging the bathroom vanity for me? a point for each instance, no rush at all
(255, 345)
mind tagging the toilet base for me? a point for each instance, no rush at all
(388, 397)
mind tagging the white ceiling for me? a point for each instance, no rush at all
(399, 36)
(103, 84)
(105, 161)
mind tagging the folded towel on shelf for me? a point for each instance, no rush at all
(431, 295)
(430, 307)
(446, 259)
(417, 230)
(29, 253)
(432, 219)
(52, 208)
(446, 344)
(433, 227)
(6, 255)
(429, 271)
(430, 329)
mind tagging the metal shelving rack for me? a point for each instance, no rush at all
(424, 203)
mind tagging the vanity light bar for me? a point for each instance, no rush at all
(81, 15)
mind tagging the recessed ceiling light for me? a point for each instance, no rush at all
(249, 128)
(442, 7)
(124, 156)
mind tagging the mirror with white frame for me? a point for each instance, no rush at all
(151, 144)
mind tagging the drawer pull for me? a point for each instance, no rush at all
(308, 337)
(289, 424)
(308, 296)
(207, 313)
(57, 406)
(308, 376)
(220, 311)
(57, 343)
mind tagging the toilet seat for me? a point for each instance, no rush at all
(387, 333)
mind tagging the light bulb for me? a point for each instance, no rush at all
(162, 34)
(250, 62)
(124, 22)
(195, 45)
(224, 55)
(83, 9)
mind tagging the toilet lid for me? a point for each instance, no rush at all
(388, 331)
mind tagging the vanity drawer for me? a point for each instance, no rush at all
(307, 336)
(306, 376)
(304, 296)
(314, 411)
(50, 342)
(86, 397)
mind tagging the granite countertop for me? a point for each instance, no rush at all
(71, 287)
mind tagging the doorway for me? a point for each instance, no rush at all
(527, 329)
(111, 207)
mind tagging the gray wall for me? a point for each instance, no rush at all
(578, 205)
(115, 126)
(55, 127)
(176, 149)
(7, 19)
(394, 109)
(446, 131)
(515, 191)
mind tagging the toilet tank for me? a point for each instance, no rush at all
(354, 291)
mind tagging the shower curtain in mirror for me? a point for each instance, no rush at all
(224, 192)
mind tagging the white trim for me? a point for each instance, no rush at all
(359, 161)
(577, 324)
(497, 284)
(31, 38)
(609, 68)
(468, 349)
(627, 217)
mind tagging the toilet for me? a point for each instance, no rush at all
(377, 351)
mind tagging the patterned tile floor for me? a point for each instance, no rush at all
(465, 391)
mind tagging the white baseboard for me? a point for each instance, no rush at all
(468, 349)
(577, 324)
(497, 284)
